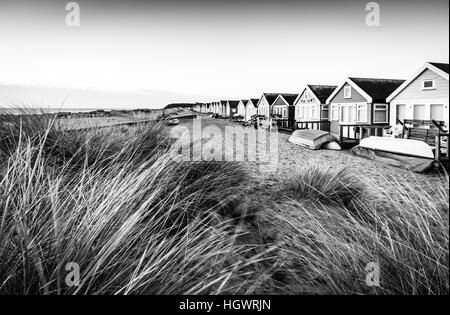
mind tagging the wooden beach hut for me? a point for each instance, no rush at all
(423, 97)
(420, 108)
(265, 103)
(358, 108)
(241, 108)
(283, 111)
(250, 109)
(223, 108)
(231, 108)
(311, 110)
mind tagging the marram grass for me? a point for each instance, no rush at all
(136, 222)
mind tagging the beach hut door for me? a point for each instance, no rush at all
(348, 115)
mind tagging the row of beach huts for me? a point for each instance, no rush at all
(358, 108)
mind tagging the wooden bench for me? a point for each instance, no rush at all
(422, 134)
(313, 124)
(435, 135)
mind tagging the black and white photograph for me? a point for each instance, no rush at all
(224, 153)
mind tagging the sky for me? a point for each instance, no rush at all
(150, 53)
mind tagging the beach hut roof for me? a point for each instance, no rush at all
(289, 98)
(270, 97)
(438, 68)
(373, 90)
(321, 92)
(233, 104)
(378, 89)
(254, 101)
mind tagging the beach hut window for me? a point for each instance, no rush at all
(325, 110)
(315, 112)
(301, 111)
(401, 112)
(361, 114)
(334, 112)
(437, 112)
(380, 114)
(348, 113)
(348, 92)
(419, 112)
(427, 84)
(308, 112)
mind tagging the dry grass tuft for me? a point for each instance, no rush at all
(326, 245)
(115, 203)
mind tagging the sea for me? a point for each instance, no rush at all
(53, 110)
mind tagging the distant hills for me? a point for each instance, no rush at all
(180, 105)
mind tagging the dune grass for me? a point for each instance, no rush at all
(113, 201)
(332, 225)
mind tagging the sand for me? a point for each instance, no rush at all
(292, 158)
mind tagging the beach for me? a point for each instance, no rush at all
(293, 158)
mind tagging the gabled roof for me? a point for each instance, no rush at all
(233, 104)
(373, 90)
(289, 99)
(270, 97)
(321, 92)
(439, 68)
(244, 102)
(254, 101)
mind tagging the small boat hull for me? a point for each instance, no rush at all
(312, 139)
(405, 147)
(333, 145)
(408, 154)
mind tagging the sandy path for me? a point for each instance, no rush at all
(292, 158)
(96, 122)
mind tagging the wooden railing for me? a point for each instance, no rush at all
(283, 123)
(442, 138)
(358, 132)
(237, 118)
(430, 131)
(419, 122)
(441, 147)
(319, 124)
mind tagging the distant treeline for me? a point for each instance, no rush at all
(180, 105)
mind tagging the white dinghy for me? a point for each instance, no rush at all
(413, 155)
(407, 147)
